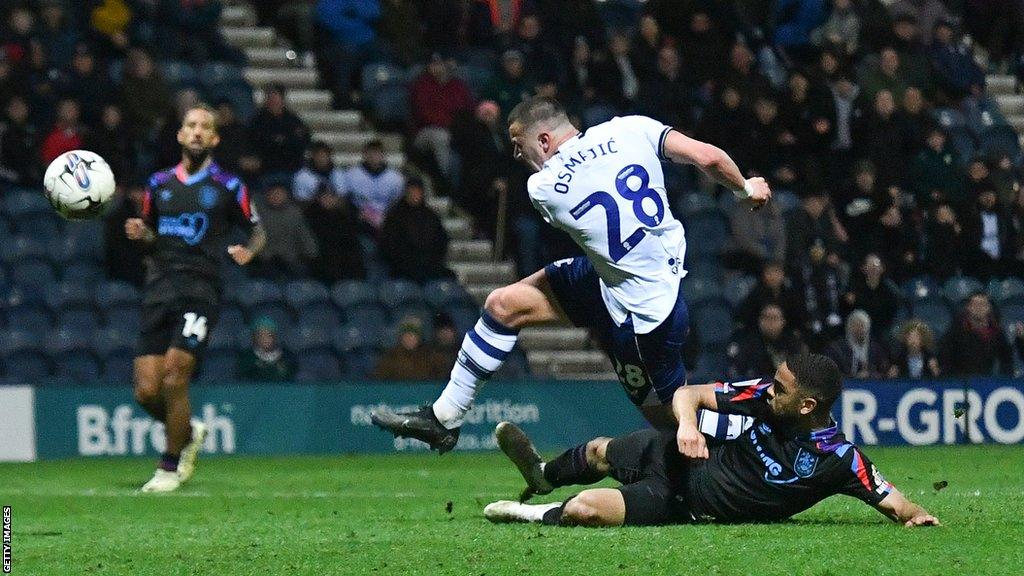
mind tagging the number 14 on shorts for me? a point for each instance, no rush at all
(195, 326)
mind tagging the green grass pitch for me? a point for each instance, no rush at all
(389, 515)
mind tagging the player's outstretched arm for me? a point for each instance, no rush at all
(897, 508)
(136, 229)
(686, 402)
(714, 162)
(242, 255)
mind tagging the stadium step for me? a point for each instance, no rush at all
(300, 100)
(345, 159)
(484, 272)
(249, 37)
(470, 251)
(287, 77)
(273, 57)
(238, 15)
(479, 292)
(332, 119)
(998, 84)
(458, 228)
(554, 338)
(562, 362)
(354, 141)
(440, 204)
(1011, 104)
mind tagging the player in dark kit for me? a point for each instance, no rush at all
(792, 457)
(187, 212)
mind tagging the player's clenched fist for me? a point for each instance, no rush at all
(135, 229)
(758, 191)
(691, 441)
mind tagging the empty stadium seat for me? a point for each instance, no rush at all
(353, 336)
(17, 340)
(318, 366)
(21, 248)
(440, 293)
(921, 288)
(116, 293)
(118, 369)
(301, 293)
(464, 316)
(68, 296)
(326, 317)
(77, 321)
(218, 73)
(390, 105)
(1010, 289)
(711, 366)
(477, 78)
(126, 318)
(42, 225)
(950, 118)
(737, 288)
(963, 142)
(958, 288)
(361, 363)
(260, 291)
(366, 314)
(218, 367)
(349, 293)
(112, 342)
(29, 318)
(1011, 314)
(713, 322)
(78, 367)
(304, 339)
(85, 273)
(694, 203)
(35, 273)
(64, 340)
(19, 204)
(179, 74)
(64, 249)
(27, 367)
(712, 228)
(936, 314)
(698, 289)
(1000, 139)
(380, 74)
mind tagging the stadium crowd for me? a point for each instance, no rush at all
(895, 242)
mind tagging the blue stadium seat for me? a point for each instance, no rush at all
(23, 203)
(360, 364)
(231, 320)
(67, 296)
(302, 293)
(349, 293)
(958, 288)
(464, 316)
(111, 342)
(278, 312)
(64, 249)
(318, 366)
(260, 291)
(440, 293)
(698, 290)
(355, 336)
(380, 74)
(326, 317)
(85, 273)
(42, 226)
(710, 366)
(33, 273)
(240, 97)
(786, 200)
(28, 367)
(218, 73)
(366, 314)
(1000, 139)
(78, 367)
(936, 314)
(950, 118)
(1010, 289)
(303, 339)
(711, 228)
(391, 105)
(78, 321)
(702, 266)
(694, 203)
(67, 339)
(737, 288)
(20, 248)
(179, 74)
(516, 366)
(23, 339)
(116, 293)
(920, 289)
(118, 369)
(398, 293)
(1012, 313)
(29, 318)
(713, 322)
(477, 78)
(125, 318)
(218, 367)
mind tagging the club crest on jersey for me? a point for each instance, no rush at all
(208, 197)
(165, 195)
(190, 227)
(805, 463)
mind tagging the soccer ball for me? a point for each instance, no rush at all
(79, 184)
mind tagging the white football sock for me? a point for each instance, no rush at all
(535, 512)
(483, 351)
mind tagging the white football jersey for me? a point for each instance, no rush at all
(606, 189)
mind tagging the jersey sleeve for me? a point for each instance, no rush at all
(651, 131)
(536, 187)
(747, 398)
(243, 211)
(148, 210)
(863, 481)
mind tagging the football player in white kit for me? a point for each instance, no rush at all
(605, 187)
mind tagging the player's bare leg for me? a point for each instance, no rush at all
(148, 376)
(484, 349)
(177, 369)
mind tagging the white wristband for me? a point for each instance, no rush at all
(746, 192)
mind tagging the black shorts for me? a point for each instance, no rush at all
(184, 324)
(653, 475)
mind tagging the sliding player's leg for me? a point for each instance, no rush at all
(484, 350)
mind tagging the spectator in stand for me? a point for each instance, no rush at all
(795, 20)
(857, 203)
(944, 242)
(88, 84)
(666, 95)
(112, 140)
(124, 258)
(859, 354)
(109, 24)
(335, 226)
(772, 288)
(19, 141)
(56, 32)
(291, 247)
(879, 137)
(755, 352)
(725, 122)
(642, 57)
(819, 281)
(481, 141)
(233, 134)
(347, 39)
(875, 294)
(445, 348)
(988, 235)
(956, 73)
(265, 361)
(775, 142)
(935, 174)
(758, 236)
(278, 137)
(975, 344)
(168, 150)
(703, 47)
(592, 79)
(888, 75)
(1005, 177)
(146, 98)
(190, 30)
(409, 359)
(840, 30)
(67, 132)
(814, 220)
(9, 80)
(927, 13)
(511, 85)
(43, 81)
(542, 60)
(18, 33)
(998, 25)
(373, 186)
(743, 74)
(915, 119)
(1017, 220)
(807, 110)
(436, 97)
(915, 353)
(413, 240)
(915, 64)
(319, 174)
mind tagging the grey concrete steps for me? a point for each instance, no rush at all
(249, 37)
(479, 292)
(559, 374)
(353, 142)
(1017, 121)
(440, 204)
(484, 272)
(300, 100)
(470, 251)
(332, 119)
(561, 362)
(458, 228)
(288, 77)
(1011, 104)
(554, 338)
(395, 159)
(996, 84)
(238, 15)
(272, 57)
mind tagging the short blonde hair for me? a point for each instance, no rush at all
(927, 336)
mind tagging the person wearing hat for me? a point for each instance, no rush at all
(409, 358)
(511, 85)
(266, 361)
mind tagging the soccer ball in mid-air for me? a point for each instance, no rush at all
(79, 184)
